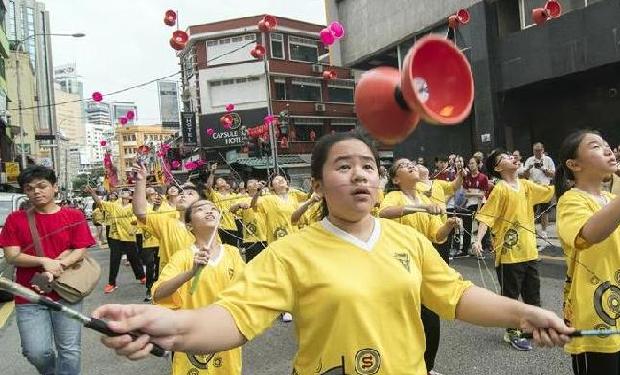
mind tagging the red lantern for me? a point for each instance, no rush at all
(97, 96)
(436, 84)
(267, 24)
(329, 74)
(461, 17)
(170, 17)
(176, 46)
(226, 120)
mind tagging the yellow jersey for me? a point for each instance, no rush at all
(311, 216)
(438, 192)
(172, 234)
(253, 223)
(277, 213)
(377, 208)
(224, 202)
(424, 223)
(216, 276)
(348, 297)
(123, 221)
(509, 214)
(149, 240)
(592, 289)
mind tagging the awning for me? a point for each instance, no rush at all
(284, 161)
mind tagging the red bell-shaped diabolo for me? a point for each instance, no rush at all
(258, 52)
(337, 29)
(327, 37)
(123, 120)
(180, 37)
(267, 24)
(97, 96)
(461, 17)
(226, 120)
(380, 107)
(540, 16)
(329, 74)
(130, 115)
(553, 8)
(437, 81)
(170, 17)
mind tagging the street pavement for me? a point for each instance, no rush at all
(464, 349)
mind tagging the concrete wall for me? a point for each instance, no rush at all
(373, 25)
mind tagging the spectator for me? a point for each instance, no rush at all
(540, 169)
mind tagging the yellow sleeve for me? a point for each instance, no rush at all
(492, 207)
(442, 287)
(299, 195)
(447, 187)
(177, 264)
(434, 224)
(391, 199)
(572, 214)
(540, 193)
(154, 223)
(263, 205)
(263, 291)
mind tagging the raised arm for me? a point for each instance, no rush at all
(395, 212)
(139, 203)
(211, 178)
(299, 212)
(602, 224)
(93, 194)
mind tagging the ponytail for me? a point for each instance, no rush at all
(564, 180)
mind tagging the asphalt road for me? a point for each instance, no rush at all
(464, 350)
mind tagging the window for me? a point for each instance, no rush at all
(277, 45)
(240, 80)
(253, 78)
(302, 49)
(306, 89)
(224, 41)
(228, 82)
(340, 91)
(342, 126)
(215, 83)
(211, 43)
(308, 129)
(250, 37)
(237, 39)
(280, 88)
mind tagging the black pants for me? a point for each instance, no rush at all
(592, 363)
(444, 250)
(116, 253)
(432, 333)
(229, 237)
(148, 255)
(252, 249)
(520, 279)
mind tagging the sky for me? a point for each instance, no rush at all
(126, 41)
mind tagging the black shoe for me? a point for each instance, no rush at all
(148, 298)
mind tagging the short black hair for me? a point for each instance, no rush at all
(441, 158)
(36, 172)
(191, 186)
(490, 162)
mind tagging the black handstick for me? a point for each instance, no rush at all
(102, 327)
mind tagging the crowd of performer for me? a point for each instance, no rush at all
(362, 253)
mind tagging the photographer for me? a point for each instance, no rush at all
(540, 169)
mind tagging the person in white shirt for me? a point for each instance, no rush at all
(540, 169)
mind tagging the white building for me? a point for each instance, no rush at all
(95, 133)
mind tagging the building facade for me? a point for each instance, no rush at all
(6, 138)
(95, 133)
(98, 113)
(129, 138)
(533, 83)
(120, 109)
(69, 115)
(218, 70)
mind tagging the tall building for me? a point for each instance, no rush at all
(26, 26)
(69, 115)
(120, 109)
(98, 113)
(532, 83)
(6, 142)
(95, 133)
(312, 105)
(129, 138)
(67, 78)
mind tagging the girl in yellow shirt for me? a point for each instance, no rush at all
(213, 266)
(351, 280)
(587, 222)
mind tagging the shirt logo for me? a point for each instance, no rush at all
(403, 258)
(200, 361)
(367, 361)
(280, 232)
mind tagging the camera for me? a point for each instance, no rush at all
(537, 165)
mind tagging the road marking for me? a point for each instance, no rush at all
(5, 312)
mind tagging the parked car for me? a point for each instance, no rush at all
(9, 202)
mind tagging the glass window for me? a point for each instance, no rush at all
(228, 82)
(277, 46)
(340, 91)
(305, 89)
(224, 41)
(280, 86)
(308, 129)
(301, 49)
(254, 78)
(250, 37)
(240, 80)
(237, 39)
(211, 43)
(215, 83)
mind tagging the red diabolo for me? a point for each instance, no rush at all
(97, 96)
(258, 52)
(329, 74)
(461, 17)
(170, 17)
(553, 8)
(226, 120)
(436, 85)
(267, 24)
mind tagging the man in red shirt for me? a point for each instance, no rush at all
(64, 235)
(476, 185)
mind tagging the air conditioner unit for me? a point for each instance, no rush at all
(317, 68)
(319, 107)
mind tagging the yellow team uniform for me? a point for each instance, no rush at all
(217, 275)
(438, 192)
(253, 223)
(149, 240)
(509, 214)
(171, 233)
(301, 196)
(277, 213)
(121, 218)
(224, 202)
(98, 216)
(377, 208)
(167, 209)
(348, 297)
(311, 216)
(593, 280)
(424, 223)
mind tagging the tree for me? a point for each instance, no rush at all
(81, 180)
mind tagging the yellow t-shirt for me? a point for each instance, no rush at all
(167, 209)
(224, 202)
(123, 219)
(592, 289)
(377, 208)
(509, 214)
(424, 223)
(253, 223)
(149, 240)
(216, 276)
(348, 297)
(300, 195)
(277, 213)
(98, 216)
(171, 233)
(311, 216)
(439, 192)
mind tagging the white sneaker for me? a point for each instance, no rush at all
(287, 317)
(543, 234)
(433, 372)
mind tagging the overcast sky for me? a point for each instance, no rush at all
(126, 41)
